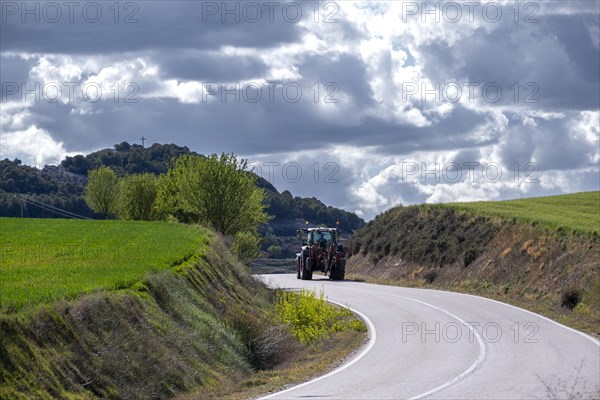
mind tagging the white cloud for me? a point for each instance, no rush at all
(587, 128)
(33, 146)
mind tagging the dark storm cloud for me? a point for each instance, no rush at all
(15, 68)
(557, 55)
(549, 143)
(572, 33)
(347, 72)
(96, 27)
(208, 67)
(14, 71)
(254, 128)
(395, 138)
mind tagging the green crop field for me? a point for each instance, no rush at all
(42, 260)
(579, 212)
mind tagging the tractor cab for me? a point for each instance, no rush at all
(321, 237)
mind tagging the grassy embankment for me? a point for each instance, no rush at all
(122, 309)
(536, 253)
(577, 213)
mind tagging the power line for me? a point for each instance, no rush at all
(52, 209)
(49, 209)
(60, 210)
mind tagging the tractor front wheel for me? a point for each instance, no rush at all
(298, 268)
(307, 270)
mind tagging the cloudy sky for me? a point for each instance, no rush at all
(364, 105)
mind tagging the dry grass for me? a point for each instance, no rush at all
(303, 364)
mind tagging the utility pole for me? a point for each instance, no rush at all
(143, 139)
(21, 201)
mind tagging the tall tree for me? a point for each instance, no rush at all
(102, 191)
(217, 191)
(137, 195)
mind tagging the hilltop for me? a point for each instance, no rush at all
(540, 253)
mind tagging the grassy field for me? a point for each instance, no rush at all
(577, 213)
(42, 260)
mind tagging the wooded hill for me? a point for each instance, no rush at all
(43, 193)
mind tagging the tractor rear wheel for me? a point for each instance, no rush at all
(338, 273)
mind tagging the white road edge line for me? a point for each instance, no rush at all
(480, 341)
(372, 339)
(585, 335)
(472, 368)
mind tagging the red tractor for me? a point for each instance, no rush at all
(321, 251)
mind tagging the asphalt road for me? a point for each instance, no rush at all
(441, 345)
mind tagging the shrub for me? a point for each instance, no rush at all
(267, 344)
(504, 289)
(216, 191)
(425, 235)
(246, 246)
(275, 250)
(430, 276)
(311, 318)
(102, 191)
(470, 256)
(570, 298)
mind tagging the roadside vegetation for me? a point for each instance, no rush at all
(312, 318)
(153, 309)
(179, 315)
(542, 254)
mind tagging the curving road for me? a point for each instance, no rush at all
(440, 345)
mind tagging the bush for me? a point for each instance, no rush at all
(470, 256)
(311, 318)
(246, 246)
(102, 191)
(275, 250)
(430, 235)
(267, 344)
(570, 298)
(430, 276)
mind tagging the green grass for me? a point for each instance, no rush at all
(42, 260)
(577, 213)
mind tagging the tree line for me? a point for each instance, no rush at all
(62, 186)
(214, 191)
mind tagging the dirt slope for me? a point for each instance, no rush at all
(527, 265)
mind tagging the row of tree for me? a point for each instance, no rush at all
(62, 186)
(215, 191)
